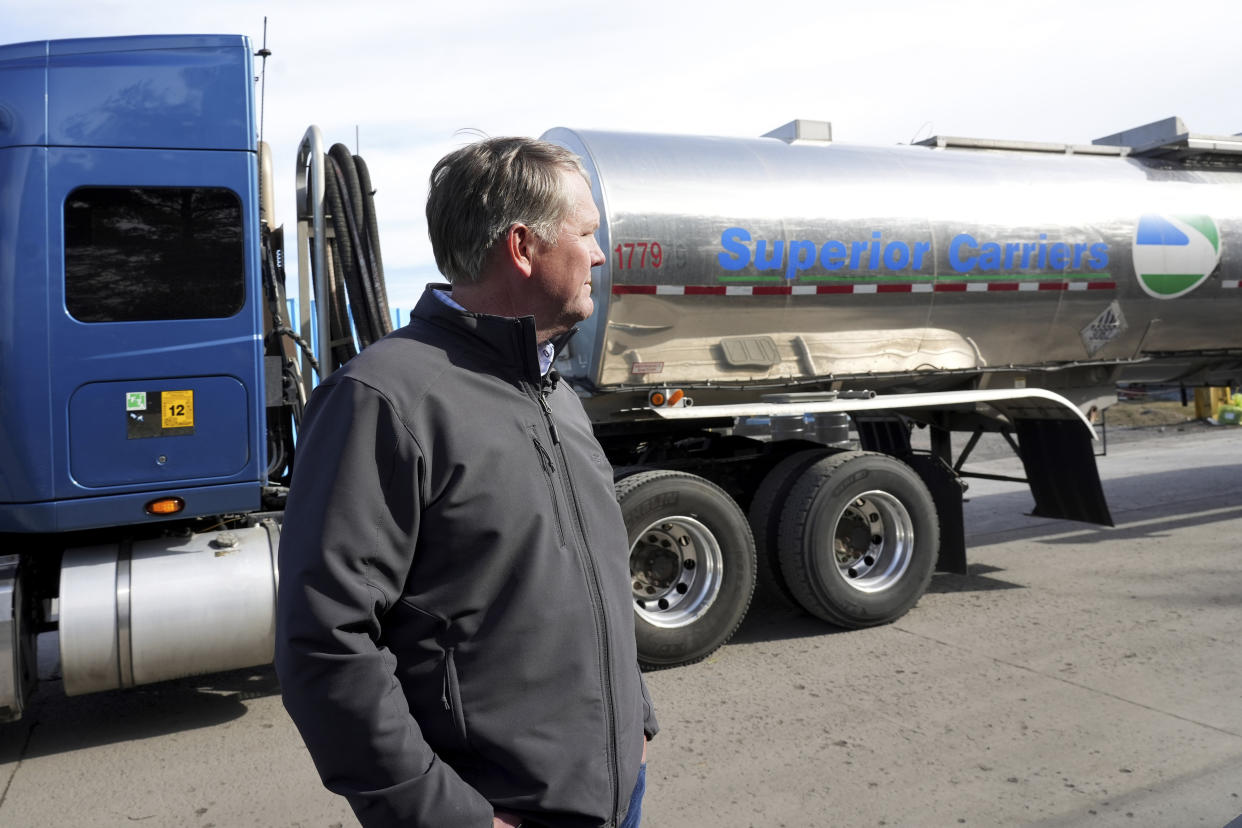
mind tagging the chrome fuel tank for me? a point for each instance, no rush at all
(757, 261)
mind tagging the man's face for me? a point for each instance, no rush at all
(561, 274)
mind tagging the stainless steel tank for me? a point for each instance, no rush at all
(743, 261)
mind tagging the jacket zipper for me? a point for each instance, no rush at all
(596, 595)
(547, 413)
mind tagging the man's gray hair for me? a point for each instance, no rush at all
(481, 190)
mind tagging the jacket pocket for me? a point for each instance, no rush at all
(452, 698)
(549, 477)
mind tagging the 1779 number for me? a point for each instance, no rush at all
(650, 254)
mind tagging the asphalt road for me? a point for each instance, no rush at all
(1077, 676)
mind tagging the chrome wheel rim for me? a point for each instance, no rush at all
(676, 567)
(872, 542)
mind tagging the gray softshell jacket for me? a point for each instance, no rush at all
(454, 629)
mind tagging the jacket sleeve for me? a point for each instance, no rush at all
(346, 547)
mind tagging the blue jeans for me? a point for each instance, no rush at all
(635, 814)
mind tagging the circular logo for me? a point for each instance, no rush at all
(1174, 254)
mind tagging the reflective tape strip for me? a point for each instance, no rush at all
(882, 287)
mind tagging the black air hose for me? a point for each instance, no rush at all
(341, 247)
(355, 245)
(340, 336)
(365, 304)
(339, 166)
(371, 238)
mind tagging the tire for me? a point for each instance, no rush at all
(765, 517)
(692, 565)
(858, 539)
(19, 677)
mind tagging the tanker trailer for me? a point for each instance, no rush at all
(805, 286)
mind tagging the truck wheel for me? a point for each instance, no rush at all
(765, 518)
(18, 653)
(692, 565)
(858, 539)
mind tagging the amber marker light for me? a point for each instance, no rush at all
(165, 506)
(656, 399)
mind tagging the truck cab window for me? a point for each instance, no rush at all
(146, 253)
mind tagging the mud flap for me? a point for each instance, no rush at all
(946, 492)
(1060, 467)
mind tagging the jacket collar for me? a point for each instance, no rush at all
(510, 340)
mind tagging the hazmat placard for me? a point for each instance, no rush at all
(1106, 327)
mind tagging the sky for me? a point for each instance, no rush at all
(403, 83)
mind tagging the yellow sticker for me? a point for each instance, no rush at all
(177, 409)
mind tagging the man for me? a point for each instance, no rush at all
(455, 633)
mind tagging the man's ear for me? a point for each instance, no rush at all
(520, 248)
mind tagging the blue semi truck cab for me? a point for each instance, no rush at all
(131, 349)
(132, 360)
